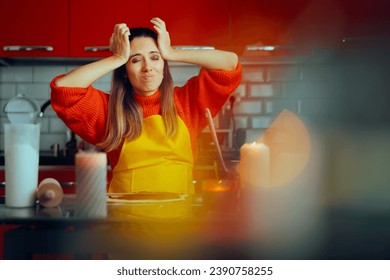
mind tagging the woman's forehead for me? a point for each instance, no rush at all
(143, 45)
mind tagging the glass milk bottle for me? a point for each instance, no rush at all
(21, 153)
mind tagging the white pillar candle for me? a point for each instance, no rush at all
(284, 220)
(91, 184)
(254, 170)
(254, 165)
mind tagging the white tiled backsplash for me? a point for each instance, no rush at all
(329, 86)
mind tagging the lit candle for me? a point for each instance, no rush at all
(284, 219)
(254, 170)
(91, 184)
(254, 165)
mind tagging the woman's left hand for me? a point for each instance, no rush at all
(164, 41)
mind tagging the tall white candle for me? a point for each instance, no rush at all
(91, 184)
(254, 170)
(254, 167)
(285, 219)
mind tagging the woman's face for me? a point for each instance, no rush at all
(145, 66)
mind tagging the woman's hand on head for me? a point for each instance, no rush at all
(119, 42)
(164, 41)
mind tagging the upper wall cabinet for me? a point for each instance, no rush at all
(345, 23)
(314, 24)
(92, 23)
(195, 23)
(34, 28)
(302, 25)
(82, 28)
(260, 25)
(367, 23)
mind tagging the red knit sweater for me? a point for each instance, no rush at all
(84, 110)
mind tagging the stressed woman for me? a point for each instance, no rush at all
(147, 126)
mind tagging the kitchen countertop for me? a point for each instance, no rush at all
(130, 229)
(206, 233)
(205, 158)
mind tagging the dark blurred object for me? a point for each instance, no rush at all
(226, 116)
(55, 148)
(71, 146)
(239, 138)
(220, 195)
(232, 99)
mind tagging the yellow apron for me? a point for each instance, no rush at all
(155, 163)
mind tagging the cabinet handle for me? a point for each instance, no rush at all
(194, 47)
(67, 184)
(27, 48)
(270, 48)
(97, 49)
(106, 48)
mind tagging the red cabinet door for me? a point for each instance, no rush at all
(92, 23)
(34, 28)
(195, 23)
(323, 26)
(367, 23)
(268, 23)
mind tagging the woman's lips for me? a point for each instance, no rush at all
(147, 77)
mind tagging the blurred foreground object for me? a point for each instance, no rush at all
(281, 202)
(290, 146)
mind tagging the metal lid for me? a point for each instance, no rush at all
(21, 109)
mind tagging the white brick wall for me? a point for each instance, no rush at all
(347, 86)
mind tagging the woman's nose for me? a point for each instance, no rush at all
(146, 66)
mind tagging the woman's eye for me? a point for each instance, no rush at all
(156, 57)
(135, 60)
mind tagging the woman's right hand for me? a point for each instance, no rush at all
(85, 75)
(119, 42)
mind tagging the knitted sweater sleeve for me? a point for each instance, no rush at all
(210, 89)
(83, 110)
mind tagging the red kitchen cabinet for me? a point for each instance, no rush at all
(195, 23)
(92, 23)
(367, 23)
(267, 23)
(34, 28)
(342, 23)
(322, 24)
(82, 28)
(300, 26)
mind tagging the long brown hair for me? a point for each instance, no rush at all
(124, 114)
